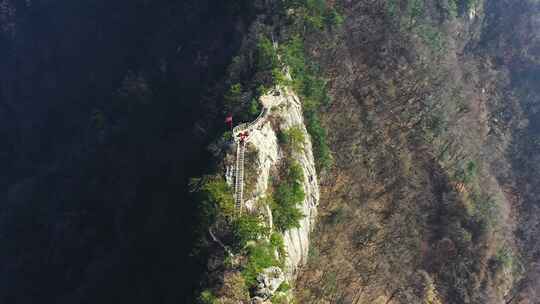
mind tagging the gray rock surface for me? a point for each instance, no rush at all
(268, 281)
(286, 108)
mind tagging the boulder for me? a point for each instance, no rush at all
(268, 281)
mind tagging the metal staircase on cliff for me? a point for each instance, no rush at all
(239, 174)
(240, 151)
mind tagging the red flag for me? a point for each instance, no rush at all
(229, 121)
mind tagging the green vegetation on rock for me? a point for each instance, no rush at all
(215, 197)
(248, 228)
(207, 297)
(312, 89)
(260, 256)
(293, 138)
(314, 14)
(233, 97)
(288, 195)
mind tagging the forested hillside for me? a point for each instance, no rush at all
(433, 119)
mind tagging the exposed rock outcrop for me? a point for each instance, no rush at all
(297, 239)
(285, 111)
(268, 281)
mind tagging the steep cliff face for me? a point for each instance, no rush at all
(285, 113)
(271, 168)
(286, 110)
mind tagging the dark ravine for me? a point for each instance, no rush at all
(109, 108)
(97, 102)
